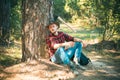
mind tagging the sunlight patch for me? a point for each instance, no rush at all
(89, 73)
(98, 64)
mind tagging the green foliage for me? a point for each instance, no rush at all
(102, 14)
(6, 60)
(107, 14)
(116, 9)
(16, 19)
(77, 11)
(59, 9)
(9, 55)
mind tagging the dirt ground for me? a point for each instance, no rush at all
(101, 68)
(105, 66)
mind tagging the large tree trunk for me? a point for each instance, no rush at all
(4, 21)
(36, 15)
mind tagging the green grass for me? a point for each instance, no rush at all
(9, 56)
(84, 33)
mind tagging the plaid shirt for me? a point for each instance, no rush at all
(53, 39)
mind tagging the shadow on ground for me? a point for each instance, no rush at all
(105, 66)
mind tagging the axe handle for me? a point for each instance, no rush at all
(66, 23)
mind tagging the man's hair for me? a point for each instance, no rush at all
(56, 23)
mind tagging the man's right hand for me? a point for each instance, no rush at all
(66, 45)
(84, 45)
(69, 44)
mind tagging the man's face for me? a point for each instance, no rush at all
(53, 28)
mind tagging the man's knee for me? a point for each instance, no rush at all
(60, 49)
(78, 44)
(63, 55)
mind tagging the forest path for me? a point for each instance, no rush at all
(104, 67)
(101, 69)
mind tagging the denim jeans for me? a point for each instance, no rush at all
(64, 56)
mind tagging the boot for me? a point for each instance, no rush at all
(72, 68)
(78, 64)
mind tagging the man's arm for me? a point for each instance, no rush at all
(79, 40)
(66, 44)
(56, 46)
(69, 44)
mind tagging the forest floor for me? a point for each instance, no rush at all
(102, 68)
(105, 66)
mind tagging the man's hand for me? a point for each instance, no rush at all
(84, 45)
(69, 44)
(66, 45)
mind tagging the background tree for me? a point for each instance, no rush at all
(15, 20)
(107, 13)
(36, 15)
(102, 14)
(4, 21)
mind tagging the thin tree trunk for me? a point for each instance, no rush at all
(4, 21)
(36, 15)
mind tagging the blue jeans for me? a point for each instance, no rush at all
(64, 56)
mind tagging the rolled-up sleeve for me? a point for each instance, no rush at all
(50, 43)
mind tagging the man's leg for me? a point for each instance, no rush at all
(78, 53)
(78, 50)
(75, 51)
(60, 56)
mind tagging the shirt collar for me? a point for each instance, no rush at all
(51, 34)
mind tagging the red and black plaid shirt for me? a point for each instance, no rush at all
(53, 39)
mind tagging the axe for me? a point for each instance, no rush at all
(59, 18)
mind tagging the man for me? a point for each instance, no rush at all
(62, 47)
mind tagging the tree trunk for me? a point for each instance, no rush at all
(4, 21)
(36, 15)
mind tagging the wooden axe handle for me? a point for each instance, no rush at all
(59, 18)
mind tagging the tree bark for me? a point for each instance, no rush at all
(36, 15)
(4, 21)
